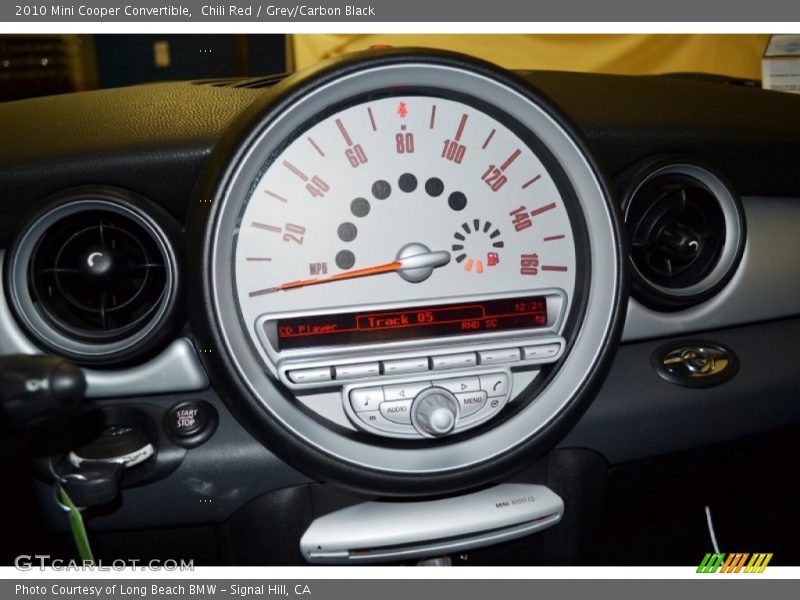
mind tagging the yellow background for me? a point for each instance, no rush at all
(635, 54)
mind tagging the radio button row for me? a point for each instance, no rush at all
(388, 408)
(397, 411)
(310, 375)
(471, 402)
(454, 361)
(404, 391)
(366, 399)
(494, 384)
(405, 365)
(499, 356)
(460, 384)
(357, 370)
(540, 352)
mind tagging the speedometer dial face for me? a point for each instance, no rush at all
(405, 200)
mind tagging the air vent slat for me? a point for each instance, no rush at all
(95, 278)
(686, 232)
(103, 255)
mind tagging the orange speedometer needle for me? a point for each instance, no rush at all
(374, 270)
(422, 263)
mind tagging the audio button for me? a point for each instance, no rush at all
(398, 411)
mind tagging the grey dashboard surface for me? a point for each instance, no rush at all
(148, 138)
(153, 138)
(211, 483)
(638, 415)
(770, 262)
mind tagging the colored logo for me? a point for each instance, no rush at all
(737, 562)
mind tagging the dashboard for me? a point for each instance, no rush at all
(403, 274)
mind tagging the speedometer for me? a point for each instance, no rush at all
(408, 199)
(407, 252)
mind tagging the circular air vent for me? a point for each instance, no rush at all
(686, 233)
(94, 277)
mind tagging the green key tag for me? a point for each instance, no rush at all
(79, 535)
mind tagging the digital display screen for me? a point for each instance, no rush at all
(412, 323)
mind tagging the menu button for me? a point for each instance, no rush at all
(471, 402)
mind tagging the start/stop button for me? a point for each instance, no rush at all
(191, 422)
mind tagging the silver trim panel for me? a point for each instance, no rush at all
(763, 287)
(12, 339)
(383, 531)
(176, 369)
(576, 366)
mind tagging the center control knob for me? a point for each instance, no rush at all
(434, 412)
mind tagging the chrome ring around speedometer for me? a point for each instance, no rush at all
(395, 223)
